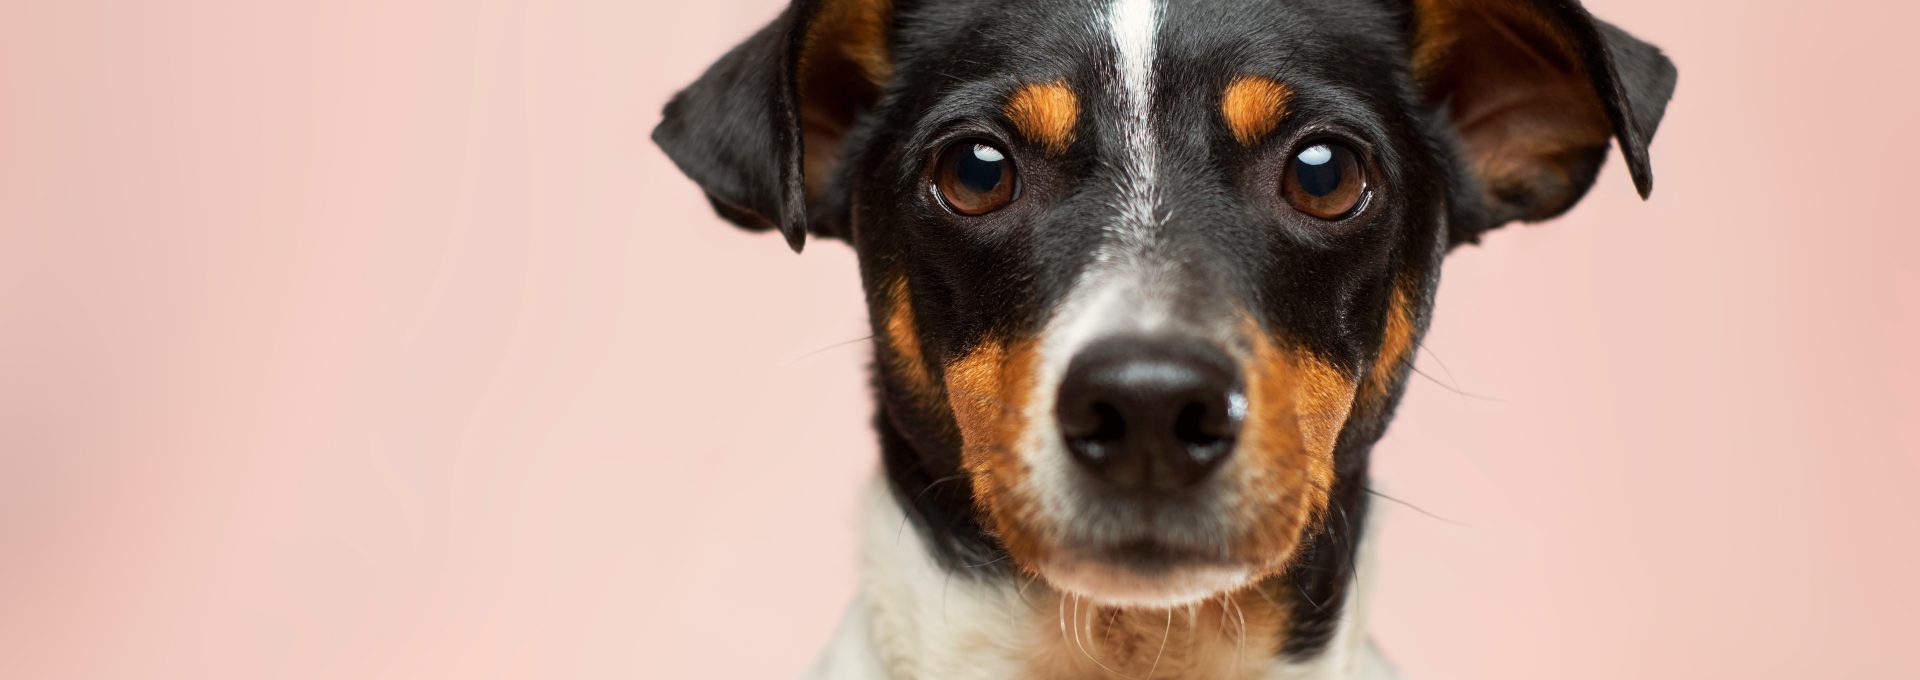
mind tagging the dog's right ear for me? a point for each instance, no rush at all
(761, 130)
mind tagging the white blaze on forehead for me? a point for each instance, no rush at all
(1135, 26)
(1114, 294)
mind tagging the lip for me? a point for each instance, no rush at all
(1144, 576)
(1151, 557)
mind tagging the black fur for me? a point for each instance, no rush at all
(737, 133)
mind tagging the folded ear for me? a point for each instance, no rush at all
(761, 130)
(1536, 88)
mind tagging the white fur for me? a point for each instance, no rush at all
(1124, 291)
(1108, 297)
(914, 620)
(1135, 28)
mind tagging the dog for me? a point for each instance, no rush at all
(1146, 278)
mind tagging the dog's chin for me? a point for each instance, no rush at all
(1135, 586)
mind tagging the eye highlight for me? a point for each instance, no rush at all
(1325, 180)
(975, 177)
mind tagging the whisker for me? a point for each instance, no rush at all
(1349, 545)
(916, 501)
(1450, 388)
(1063, 619)
(1223, 614)
(1417, 508)
(1163, 646)
(1443, 368)
(1083, 647)
(1308, 598)
(1022, 591)
(1242, 613)
(824, 350)
(1002, 558)
(944, 583)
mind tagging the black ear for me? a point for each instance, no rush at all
(1536, 89)
(761, 130)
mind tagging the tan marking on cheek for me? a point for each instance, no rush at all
(1395, 348)
(1324, 397)
(1296, 405)
(988, 390)
(1046, 113)
(1253, 106)
(904, 355)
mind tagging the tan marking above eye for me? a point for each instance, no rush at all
(1253, 106)
(1046, 113)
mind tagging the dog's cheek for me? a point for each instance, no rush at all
(1396, 349)
(988, 390)
(905, 359)
(1297, 404)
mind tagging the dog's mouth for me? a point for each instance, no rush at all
(1147, 574)
(1148, 555)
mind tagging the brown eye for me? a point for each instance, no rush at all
(975, 178)
(1325, 180)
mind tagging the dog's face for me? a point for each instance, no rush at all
(1149, 274)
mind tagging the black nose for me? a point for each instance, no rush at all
(1150, 415)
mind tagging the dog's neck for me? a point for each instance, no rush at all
(919, 618)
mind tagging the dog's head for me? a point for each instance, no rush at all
(1149, 274)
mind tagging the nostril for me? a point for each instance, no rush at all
(1195, 427)
(1095, 428)
(1091, 420)
(1150, 414)
(1206, 429)
(1113, 426)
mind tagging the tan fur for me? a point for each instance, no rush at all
(1518, 92)
(1434, 34)
(1297, 404)
(845, 62)
(1253, 106)
(1046, 113)
(988, 390)
(904, 355)
(857, 30)
(1395, 348)
(1233, 636)
(1440, 24)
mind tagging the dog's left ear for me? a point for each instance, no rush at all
(1536, 88)
(761, 130)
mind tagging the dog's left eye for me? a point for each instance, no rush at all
(975, 178)
(1325, 180)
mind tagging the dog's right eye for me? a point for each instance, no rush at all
(975, 178)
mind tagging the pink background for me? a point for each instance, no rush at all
(374, 340)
